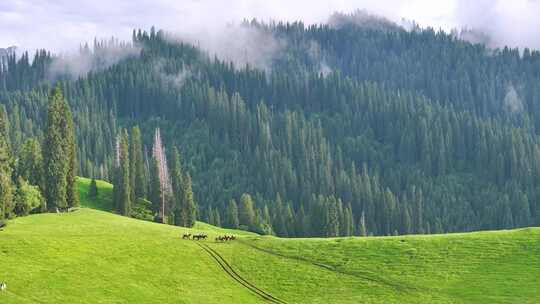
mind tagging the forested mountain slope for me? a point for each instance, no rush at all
(348, 130)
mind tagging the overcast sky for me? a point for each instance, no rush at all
(62, 25)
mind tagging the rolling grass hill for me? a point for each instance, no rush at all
(93, 256)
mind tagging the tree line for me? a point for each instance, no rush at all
(40, 177)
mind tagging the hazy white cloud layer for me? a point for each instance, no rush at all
(62, 25)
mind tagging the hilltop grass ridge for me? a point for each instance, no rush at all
(94, 256)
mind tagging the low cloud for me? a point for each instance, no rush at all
(173, 79)
(364, 19)
(68, 23)
(512, 102)
(315, 54)
(100, 57)
(241, 44)
(503, 23)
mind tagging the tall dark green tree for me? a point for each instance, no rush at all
(93, 190)
(6, 196)
(123, 195)
(30, 163)
(138, 174)
(231, 218)
(332, 217)
(246, 211)
(189, 206)
(155, 190)
(56, 158)
(70, 148)
(180, 216)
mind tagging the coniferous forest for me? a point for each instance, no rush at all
(350, 130)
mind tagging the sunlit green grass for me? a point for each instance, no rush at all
(483, 267)
(104, 199)
(91, 256)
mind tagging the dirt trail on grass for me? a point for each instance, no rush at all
(368, 277)
(238, 278)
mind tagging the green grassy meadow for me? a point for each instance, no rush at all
(93, 256)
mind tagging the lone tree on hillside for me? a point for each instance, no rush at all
(93, 190)
(72, 194)
(59, 155)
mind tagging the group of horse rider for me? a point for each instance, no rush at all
(202, 236)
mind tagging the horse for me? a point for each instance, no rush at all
(3, 286)
(186, 236)
(197, 237)
(225, 238)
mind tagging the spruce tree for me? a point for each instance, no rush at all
(217, 218)
(232, 215)
(30, 163)
(138, 176)
(154, 187)
(116, 175)
(124, 204)
(332, 217)
(56, 160)
(70, 148)
(246, 212)
(180, 217)
(93, 190)
(189, 207)
(6, 185)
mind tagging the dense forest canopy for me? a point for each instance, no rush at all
(350, 129)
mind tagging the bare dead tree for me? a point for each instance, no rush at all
(158, 152)
(117, 152)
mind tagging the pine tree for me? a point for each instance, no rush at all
(124, 203)
(93, 190)
(6, 204)
(189, 207)
(210, 216)
(30, 163)
(138, 175)
(332, 217)
(117, 177)
(180, 216)
(406, 221)
(55, 160)
(232, 215)
(217, 218)
(246, 212)
(154, 187)
(348, 222)
(72, 194)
